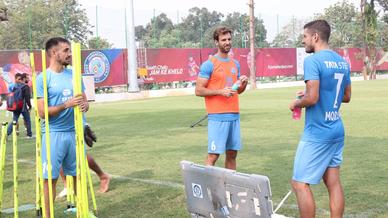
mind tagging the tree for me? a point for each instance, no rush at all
(30, 25)
(152, 33)
(3, 13)
(290, 35)
(198, 25)
(98, 43)
(140, 32)
(345, 24)
(371, 36)
(240, 26)
(383, 4)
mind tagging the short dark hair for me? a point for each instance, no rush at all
(18, 75)
(54, 42)
(24, 75)
(222, 30)
(321, 27)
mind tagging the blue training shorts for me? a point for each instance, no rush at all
(223, 135)
(63, 154)
(313, 158)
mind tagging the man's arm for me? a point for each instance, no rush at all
(310, 96)
(202, 90)
(27, 97)
(55, 110)
(348, 94)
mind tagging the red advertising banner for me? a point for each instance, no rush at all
(355, 58)
(167, 65)
(276, 62)
(12, 62)
(107, 66)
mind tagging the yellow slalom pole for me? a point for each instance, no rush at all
(71, 184)
(80, 175)
(15, 170)
(2, 158)
(81, 132)
(47, 128)
(40, 206)
(78, 181)
(77, 82)
(91, 188)
(70, 190)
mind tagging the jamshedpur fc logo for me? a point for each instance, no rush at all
(97, 64)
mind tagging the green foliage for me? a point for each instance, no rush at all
(347, 27)
(196, 26)
(290, 35)
(371, 31)
(98, 43)
(196, 30)
(40, 20)
(345, 24)
(383, 4)
(240, 26)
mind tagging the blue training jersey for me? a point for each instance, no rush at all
(60, 89)
(323, 120)
(206, 71)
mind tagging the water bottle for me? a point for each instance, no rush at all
(236, 85)
(297, 112)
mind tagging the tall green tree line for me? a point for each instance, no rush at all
(196, 29)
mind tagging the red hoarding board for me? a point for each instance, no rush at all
(276, 62)
(167, 65)
(107, 66)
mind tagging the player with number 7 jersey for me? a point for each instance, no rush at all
(319, 153)
(323, 121)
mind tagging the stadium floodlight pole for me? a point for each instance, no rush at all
(252, 74)
(131, 49)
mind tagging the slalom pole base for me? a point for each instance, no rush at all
(73, 210)
(69, 206)
(39, 212)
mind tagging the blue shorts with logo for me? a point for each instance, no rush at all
(313, 158)
(63, 154)
(223, 135)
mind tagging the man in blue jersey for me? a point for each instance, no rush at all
(61, 105)
(319, 153)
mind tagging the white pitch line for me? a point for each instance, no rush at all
(151, 181)
(21, 208)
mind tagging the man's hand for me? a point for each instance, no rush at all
(227, 92)
(243, 79)
(292, 104)
(299, 95)
(75, 101)
(84, 106)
